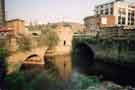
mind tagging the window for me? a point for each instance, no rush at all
(119, 20)
(111, 11)
(101, 6)
(106, 11)
(123, 20)
(102, 12)
(133, 13)
(132, 21)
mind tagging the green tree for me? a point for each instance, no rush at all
(3, 52)
(24, 43)
(49, 37)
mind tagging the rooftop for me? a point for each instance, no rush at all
(15, 20)
(113, 1)
(3, 29)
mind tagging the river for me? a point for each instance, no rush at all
(63, 65)
(121, 75)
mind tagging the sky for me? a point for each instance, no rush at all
(48, 11)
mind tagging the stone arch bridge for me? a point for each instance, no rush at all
(107, 47)
(17, 59)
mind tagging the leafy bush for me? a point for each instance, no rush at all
(16, 81)
(83, 82)
(3, 52)
(49, 38)
(24, 43)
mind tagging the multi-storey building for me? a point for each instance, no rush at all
(112, 15)
(119, 13)
(2, 12)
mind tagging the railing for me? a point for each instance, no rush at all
(108, 34)
(121, 34)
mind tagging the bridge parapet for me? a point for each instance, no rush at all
(112, 46)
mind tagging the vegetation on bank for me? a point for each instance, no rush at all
(49, 81)
(49, 37)
(3, 52)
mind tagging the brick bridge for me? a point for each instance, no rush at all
(35, 56)
(17, 58)
(111, 47)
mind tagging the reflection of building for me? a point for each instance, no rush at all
(17, 25)
(2, 12)
(119, 12)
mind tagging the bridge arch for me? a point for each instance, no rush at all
(33, 57)
(84, 55)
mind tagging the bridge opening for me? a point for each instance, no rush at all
(84, 57)
(33, 57)
(32, 65)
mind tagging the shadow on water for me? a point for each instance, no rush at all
(85, 63)
(120, 74)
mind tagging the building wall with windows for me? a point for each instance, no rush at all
(123, 12)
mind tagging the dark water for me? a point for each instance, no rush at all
(119, 74)
(63, 65)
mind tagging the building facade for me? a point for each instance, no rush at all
(17, 25)
(2, 12)
(122, 13)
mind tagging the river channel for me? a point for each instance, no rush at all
(121, 75)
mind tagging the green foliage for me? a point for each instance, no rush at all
(24, 43)
(3, 52)
(83, 82)
(49, 38)
(16, 81)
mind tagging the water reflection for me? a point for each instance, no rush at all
(63, 65)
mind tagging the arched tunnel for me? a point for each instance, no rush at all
(83, 55)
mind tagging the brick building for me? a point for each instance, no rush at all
(119, 13)
(17, 25)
